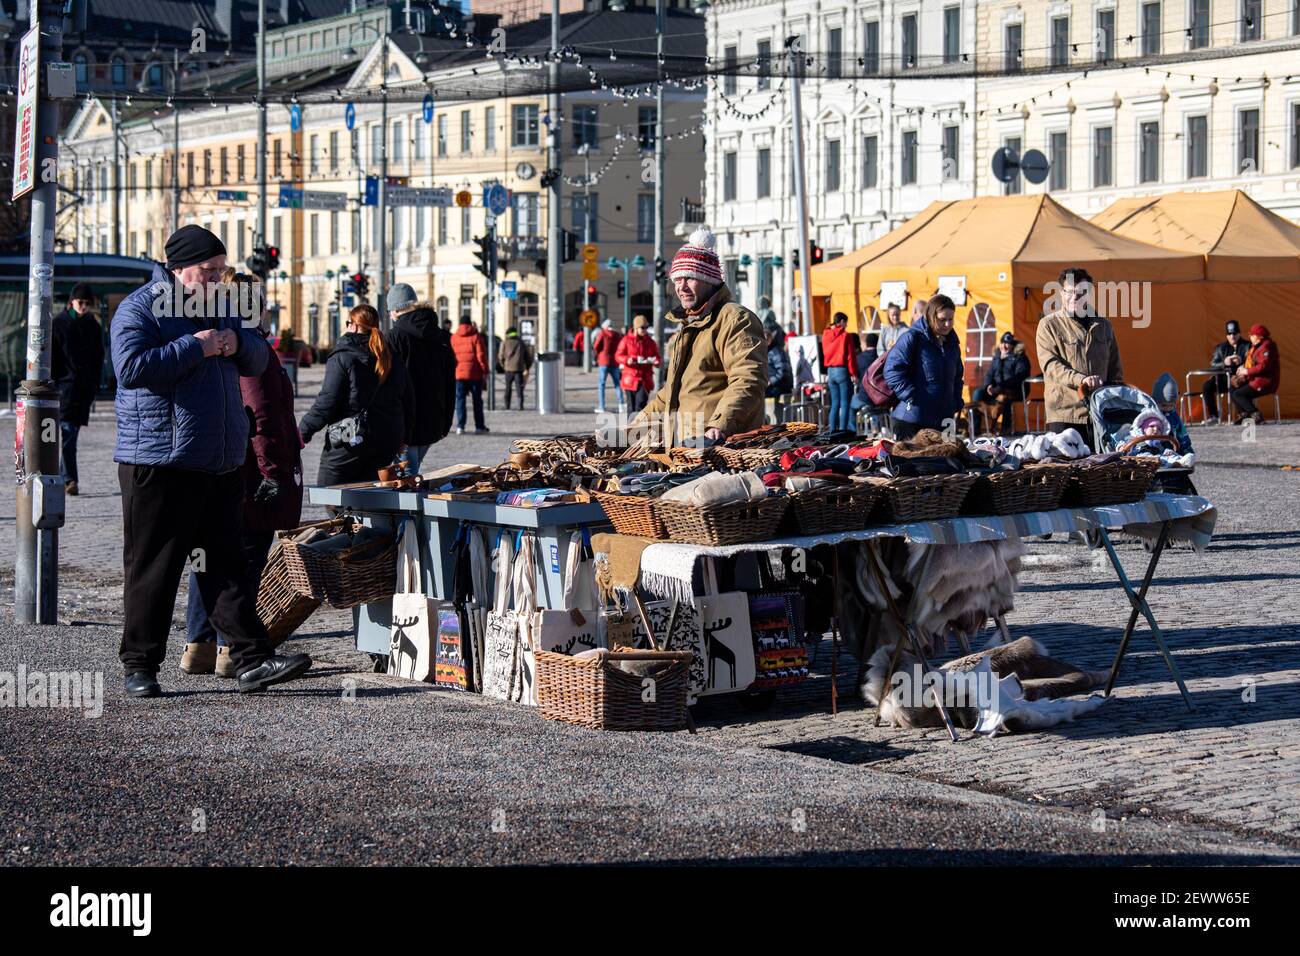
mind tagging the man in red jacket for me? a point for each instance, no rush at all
(1260, 374)
(471, 369)
(605, 345)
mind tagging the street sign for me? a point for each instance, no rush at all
(295, 117)
(371, 197)
(590, 251)
(349, 301)
(497, 199)
(350, 116)
(415, 196)
(427, 106)
(232, 195)
(25, 127)
(294, 197)
(463, 198)
(590, 271)
(1035, 166)
(509, 289)
(589, 319)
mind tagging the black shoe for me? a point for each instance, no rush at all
(142, 684)
(482, 431)
(273, 670)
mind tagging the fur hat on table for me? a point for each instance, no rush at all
(698, 258)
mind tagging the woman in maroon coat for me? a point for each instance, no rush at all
(272, 473)
(1260, 374)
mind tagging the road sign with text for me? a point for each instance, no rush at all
(25, 139)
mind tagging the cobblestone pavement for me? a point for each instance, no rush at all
(1231, 616)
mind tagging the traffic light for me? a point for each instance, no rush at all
(486, 254)
(361, 283)
(661, 271)
(272, 258)
(622, 289)
(257, 263)
(570, 250)
(591, 290)
(794, 259)
(816, 255)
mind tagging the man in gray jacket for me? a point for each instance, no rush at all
(179, 351)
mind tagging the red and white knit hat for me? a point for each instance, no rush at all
(697, 259)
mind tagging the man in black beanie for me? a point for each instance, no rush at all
(77, 364)
(181, 438)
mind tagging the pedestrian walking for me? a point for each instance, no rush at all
(605, 345)
(471, 369)
(272, 481)
(425, 349)
(839, 354)
(182, 435)
(76, 366)
(1228, 356)
(638, 357)
(924, 369)
(364, 404)
(1077, 352)
(515, 359)
(1260, 374)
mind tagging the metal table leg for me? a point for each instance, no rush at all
(1139, 601)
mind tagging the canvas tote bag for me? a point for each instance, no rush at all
(412, 651)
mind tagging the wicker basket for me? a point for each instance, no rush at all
(282, 609)
(765, 437)
(925, 498)
(736, 523)
(636, 515)
(826, 510)
(592, 692)
(360, 574)
(1118, 482)
(570, 447)
(1032, 488)
(745, 459)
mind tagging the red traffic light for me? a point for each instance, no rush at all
(591, 288)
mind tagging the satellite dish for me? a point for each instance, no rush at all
(1035, 166)
(1006, 164)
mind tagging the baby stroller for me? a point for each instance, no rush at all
(1112, 410)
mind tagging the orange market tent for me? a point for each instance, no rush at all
(1252, 266)
(1008, 251)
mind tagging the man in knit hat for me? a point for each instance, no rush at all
(717, 361)
(182, 434)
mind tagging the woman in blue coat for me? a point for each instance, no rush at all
(924, 368)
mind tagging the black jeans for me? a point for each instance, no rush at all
(198, 621)
(515, 379)
(1244, 398)
(172, 517)
(636, 400)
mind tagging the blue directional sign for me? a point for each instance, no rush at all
(509, 289)
(350, 116)
(290, 197)
(232, 195)
(371, 198)
(295, 117)
(428, 108)
(497, 199)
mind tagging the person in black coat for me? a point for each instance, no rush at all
(425, 349)
(1004, 381)
(77, 363)
(1229, 356)
(365, 381)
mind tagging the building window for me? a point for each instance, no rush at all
(467, 302)
(1060, 41)
(334, 232)
(908, 33)
(314, 154)
(1295, 135)
(189, 167)
(466, 227)
(525, 125)
(490, 129)
(1014, 187)
(584, 128)
(1012, 50)
(334, 151)
(870, 161)
(442, 135)
(645, 217)
(645, 128)
(832, 184)
(1149, 152)
(240, 168)
(1200, 25)
(1103, 157)
(729, 71)
(275, 232)
(1104, 37)
(764, 64)
(1150, 29)
(1059, 157)
(871, 47)
(764, 173)
(223, 170)
(729, 176)
(82, 71)
(224, 233)
(951, 34)
(276, 169)
(399, 143)
(1198, 147)
(154, 76)
(585, 206)
(421, 217)
(1295, 18)
(1251, 14)
(442, 225)
(908, 164)
(1248, 141)
(314, 233)
(119, 73)
(951, 154)
(834, 54)
(376, 143)
(207, 167)
(526, 213)
(399, 231)
(466, 136)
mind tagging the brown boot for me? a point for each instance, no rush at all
(225, 666)
(199, 658)
(70, 488)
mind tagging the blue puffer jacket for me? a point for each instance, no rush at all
(175, 407)
(926, 379)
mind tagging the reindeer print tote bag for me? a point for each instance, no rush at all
(414, 623)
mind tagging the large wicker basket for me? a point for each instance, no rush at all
(1118, 482)
(736, 523)
(1032, 488)
(354, 575)
(827, 510)
(570, 447)
(592, 692)
(762, 438)
(282, 609)
(636, 515)
(925, 498)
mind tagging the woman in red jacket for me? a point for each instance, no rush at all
(1260, 374)
(839, 353)
(638, 356)
(471, 370)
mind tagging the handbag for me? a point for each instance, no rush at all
(578, 626)
(509, 666)
(351, 431)
(412, 648)
(874, 384)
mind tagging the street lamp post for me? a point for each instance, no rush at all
(627, 265)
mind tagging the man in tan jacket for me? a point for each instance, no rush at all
(717, 360)
(1077, 353)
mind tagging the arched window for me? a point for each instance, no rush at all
(981, 342)
(119, 73)
(526, 306)
(79, 63)
(153, 76)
